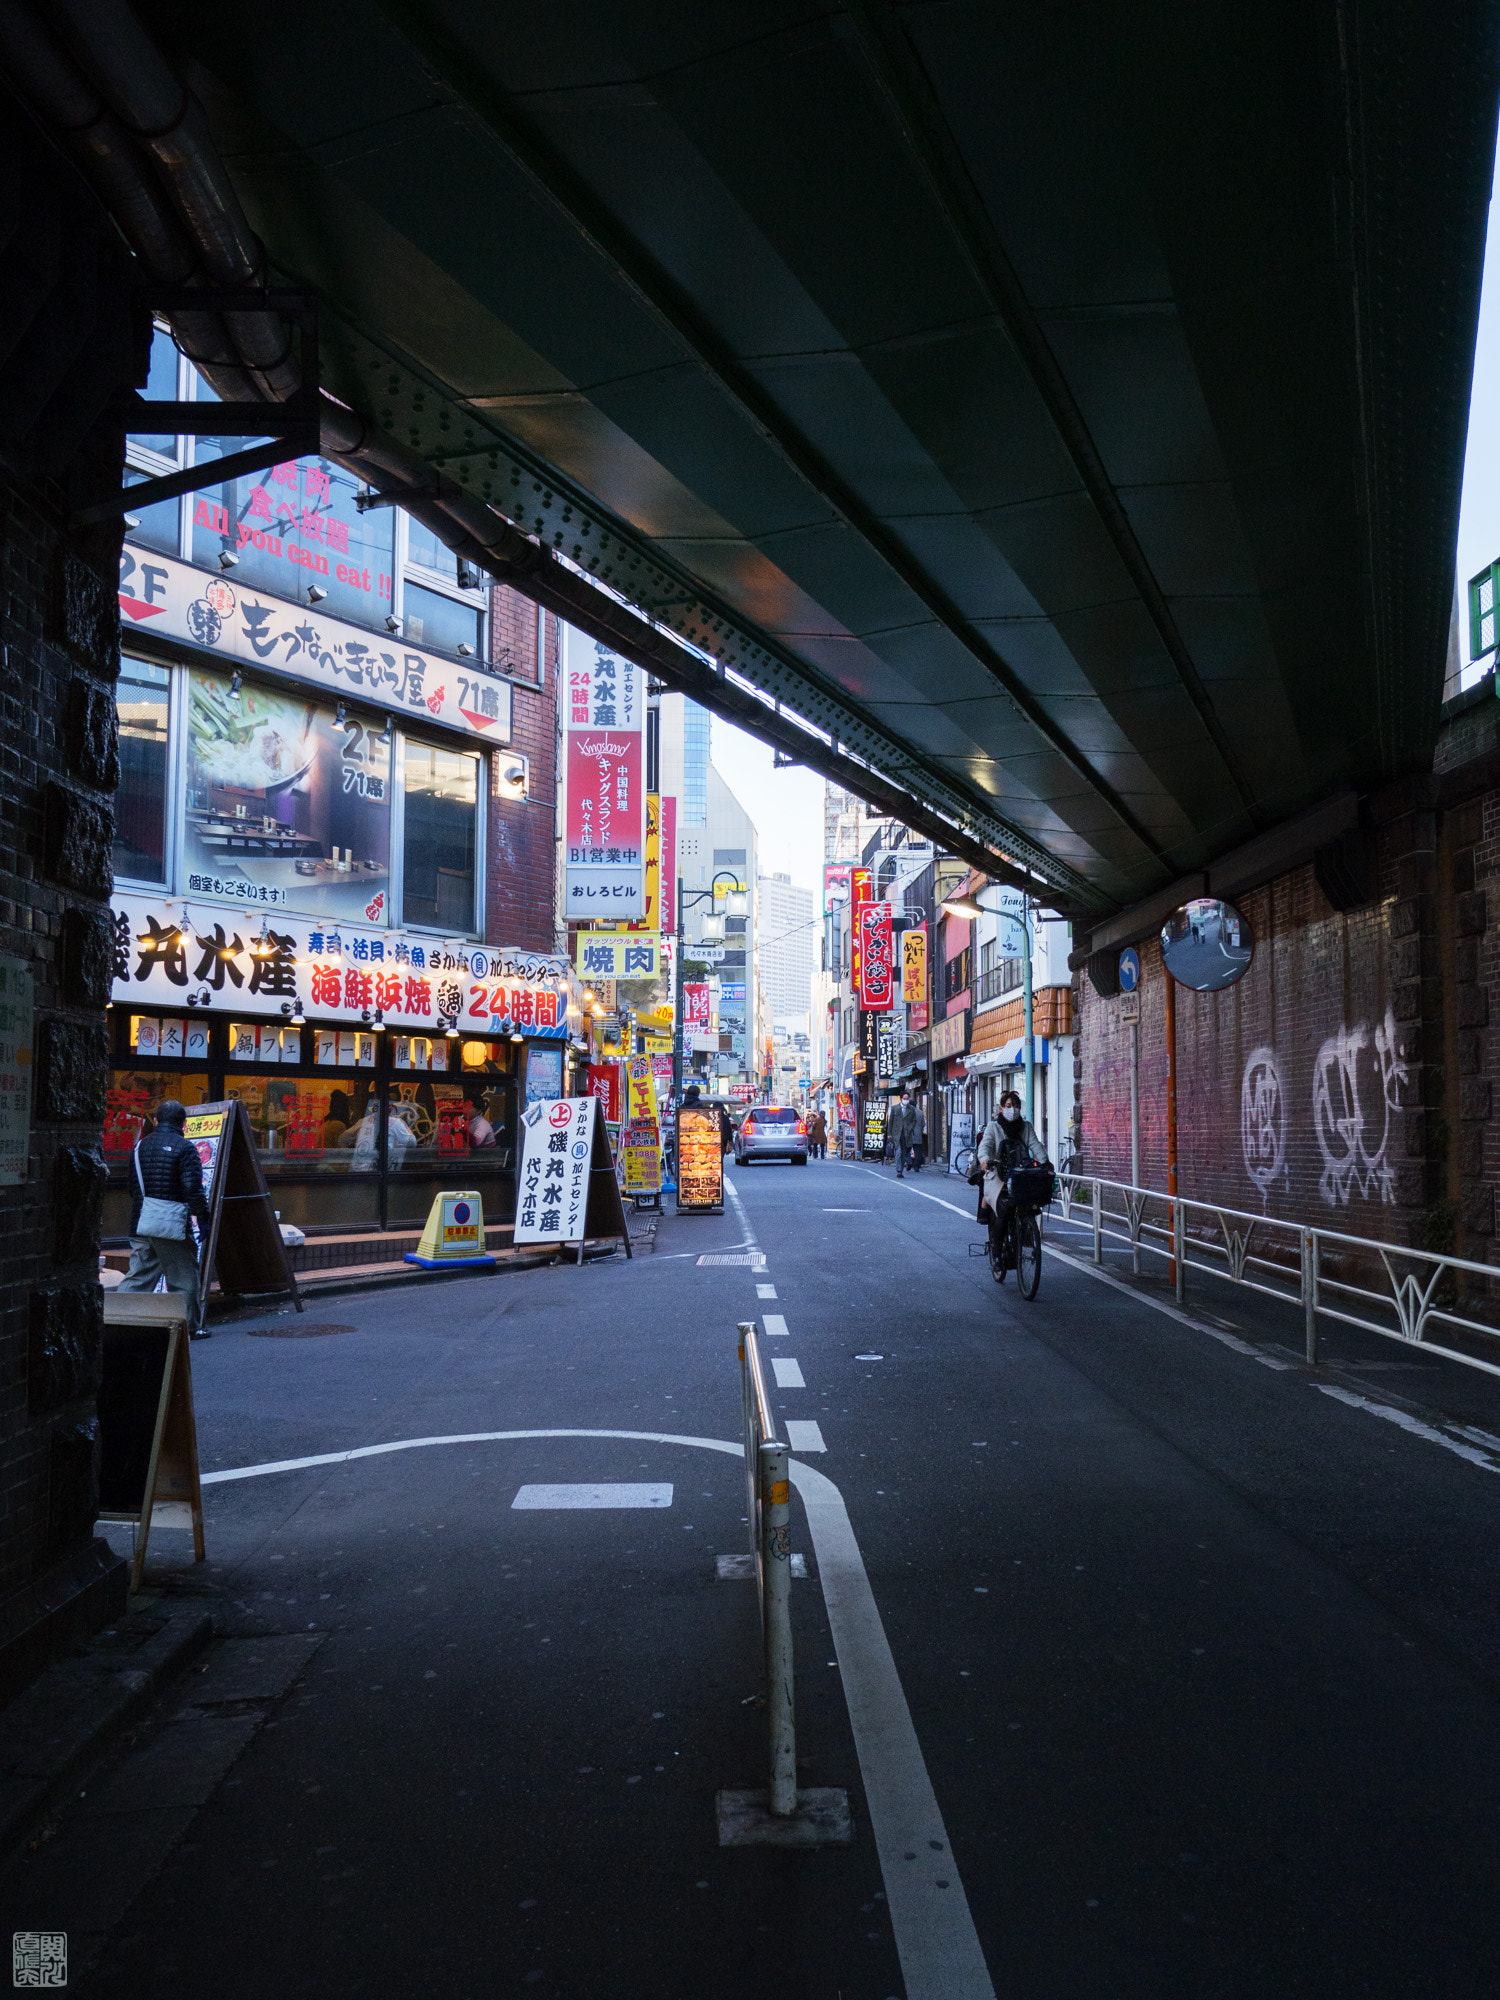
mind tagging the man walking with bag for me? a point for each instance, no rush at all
(168, 1188)
(899, 1131)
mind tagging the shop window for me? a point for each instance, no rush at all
(442, 799)
(154, 527)
(425, 550)
(287, 805)
(130, 1102)
(433, 1125)
(161, 387)
(293, 526)
(324, 1125)
(440, 624)
(142, 704)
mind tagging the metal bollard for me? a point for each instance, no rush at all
(776, 1515)
(1310, 1295)
(1098, 1223)
(1179, 1250)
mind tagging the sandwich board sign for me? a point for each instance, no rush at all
(248, 1255)
(148, 1438)
(567, 1189)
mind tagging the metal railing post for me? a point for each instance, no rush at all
(1179, 1249)
(776, 1555)
(1098, 1223)
(1310, 1294)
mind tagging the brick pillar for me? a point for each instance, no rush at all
(74, 340)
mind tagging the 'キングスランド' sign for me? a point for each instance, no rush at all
(605, 817)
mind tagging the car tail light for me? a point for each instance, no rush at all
(801, 1128)
(748, 1126)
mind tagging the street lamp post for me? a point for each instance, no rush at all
(684, 897)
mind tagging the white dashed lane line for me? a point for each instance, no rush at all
(803, 1435)
(765, 1291)
(788, 1372)
(774, 1325)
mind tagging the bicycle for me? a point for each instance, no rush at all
(1017, 1246)
(963, 1160)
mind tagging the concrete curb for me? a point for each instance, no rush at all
(56, 1731)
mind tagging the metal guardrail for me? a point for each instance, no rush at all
(1384, 1288)
(769, 1512)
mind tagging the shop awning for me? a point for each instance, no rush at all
(1011, 1056)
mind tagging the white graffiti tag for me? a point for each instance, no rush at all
(1263, 1119)
(1356, 1086)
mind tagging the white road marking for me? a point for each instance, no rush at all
(941, 1957)
(788, 1372)
(1407, 1422)
(636, 1494)
(1172, 1312)
(802, 1434)
(741, 1211)
(741, 1569)
(869, 1357)
(848, 1211)
(765, 1291)
(936, 1941)
(775, 1326)
(922, 1195)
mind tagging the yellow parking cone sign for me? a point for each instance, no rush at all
(454, 1234)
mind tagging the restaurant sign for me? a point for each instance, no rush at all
(161, 595)
(168, 953)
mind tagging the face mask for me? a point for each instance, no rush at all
(1010, 1114)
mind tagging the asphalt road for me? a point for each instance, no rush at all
(1201, 1661)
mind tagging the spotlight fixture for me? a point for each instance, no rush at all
(340, 716)
(227, 560)
(297, 1014)
(235, 683)
(451, 1031)
(387, 733)
(314, 594)
(132, 521)
(518, 1038)
(261, 947)
(465, 650)
(374, 1019)
(392, 623)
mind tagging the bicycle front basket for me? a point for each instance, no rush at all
(1031, 1187)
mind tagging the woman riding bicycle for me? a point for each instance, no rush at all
(1009, 1141)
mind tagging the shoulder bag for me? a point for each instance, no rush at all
(159, 1218)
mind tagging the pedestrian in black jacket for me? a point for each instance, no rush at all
(165, 1168)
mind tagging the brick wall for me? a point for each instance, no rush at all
(520, 889)
(1346, 1078)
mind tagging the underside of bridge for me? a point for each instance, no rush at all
(1061, 411)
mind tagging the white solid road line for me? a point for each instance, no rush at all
(937, 1944)
(775, 1326)
(939, 1948)
(765, 1291)
(1407, 1422)
(632, 1494)
(788, 1372)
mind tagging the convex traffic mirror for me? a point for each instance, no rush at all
(1206, 944)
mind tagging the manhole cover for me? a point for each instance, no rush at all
(297, 1329)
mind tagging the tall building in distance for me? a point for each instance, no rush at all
(788, 941)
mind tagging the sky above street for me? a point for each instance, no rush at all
(787, 805)
(1479, 516)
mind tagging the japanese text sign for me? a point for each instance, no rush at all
(877, 986)
(618, 954)
(159, 594)
(914, 965)
(556, 1150)
(605, 817)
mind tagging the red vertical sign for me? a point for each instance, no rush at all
(878, 986)
(860, 884)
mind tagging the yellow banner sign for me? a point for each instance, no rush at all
(914, 965)
(642, 1109)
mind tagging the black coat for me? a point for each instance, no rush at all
(171, 1170)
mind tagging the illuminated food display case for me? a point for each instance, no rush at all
(700, 1159)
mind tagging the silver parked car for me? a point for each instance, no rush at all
(771, 1132)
